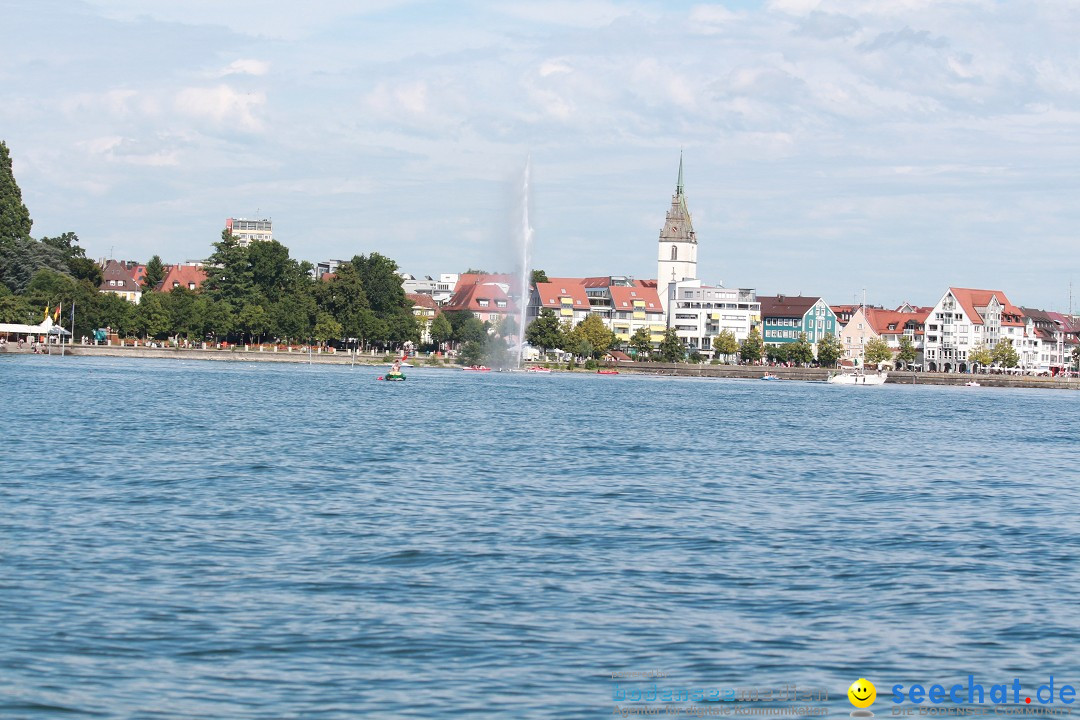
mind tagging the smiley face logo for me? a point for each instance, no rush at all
(862, 693)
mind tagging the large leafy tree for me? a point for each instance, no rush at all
(593, 331)
(15, 222)
(981, 356)
(829, 350)
(1005, 354)
(877, 351)
(152, 317)
(641, 343)
(907, 352)
(752, 348)
(671, 347)
(441, 331)
(544, 332)
(801, 351)
(724, 343)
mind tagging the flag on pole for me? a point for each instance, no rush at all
(56, 313)
(46, 312)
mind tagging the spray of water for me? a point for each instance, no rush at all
(524, 239)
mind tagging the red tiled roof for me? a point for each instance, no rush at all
(552, 293)
(622, 298)
(470, 297)
(467, 279)
(970, 299)
(183, 276)
(422, 300)
(880, 320)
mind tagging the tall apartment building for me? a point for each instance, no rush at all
(246, 231)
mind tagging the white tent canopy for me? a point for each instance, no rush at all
(45, 328)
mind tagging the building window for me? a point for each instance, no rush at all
(674, 253)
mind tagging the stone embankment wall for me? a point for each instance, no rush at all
(820, 374)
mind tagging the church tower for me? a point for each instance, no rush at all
(677, 259)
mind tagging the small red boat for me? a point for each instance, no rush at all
(607, 372)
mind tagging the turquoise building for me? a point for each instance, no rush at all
(785, 317)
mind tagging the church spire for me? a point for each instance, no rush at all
(679, 186)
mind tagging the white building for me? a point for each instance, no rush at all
(677, 254)
(248, 231)
(700, 312)
(965, 319)
(440, 290)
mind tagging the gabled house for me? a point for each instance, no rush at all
(488, 301)
(966, 318)
(566, 297)
(785, 317)
(117, 279)
(190, 277)
(888, 325)
(424, 308)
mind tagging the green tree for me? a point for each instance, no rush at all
(724, 343)
(253, 321)
(441, 331)
(113, 312)
(876, 351)
(21, 258)
(545, 332)
(228, 273)
(1076, 358)
(74, 257)
(801, 351)
(1005, 354)
(152, 317)
(641, 343)
(538, 276)
(752, 348)
(907, 353)
(327, 328)
(981, 356)
(778, 353)
(15, 222)
(473, 351)
(671, 347)
(593, 331)
(155, 273)
(829, 350)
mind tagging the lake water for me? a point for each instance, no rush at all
(226, 540)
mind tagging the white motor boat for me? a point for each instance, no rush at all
(858, 378)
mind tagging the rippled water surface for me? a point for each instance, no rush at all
(226, 540)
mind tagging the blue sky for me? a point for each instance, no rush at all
(831, 145)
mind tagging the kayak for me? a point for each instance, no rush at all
(393, 377)
(607, 372)
(538, 370)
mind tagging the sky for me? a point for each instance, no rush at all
(830, 146)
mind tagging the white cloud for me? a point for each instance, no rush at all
(244, 66)
(223, 105)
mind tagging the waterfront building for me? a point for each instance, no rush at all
(188, 275)
(1055, 336)
(888, 325)
(634, 307)
(246, 231)
(964, 319)
(488, 297)
(677, 254)
(440, 290)
(117, 279)
(424, 308)
(699, 312)
(566, 297)
(785, 317)
(843, 313)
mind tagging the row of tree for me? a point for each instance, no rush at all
(251, 293)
